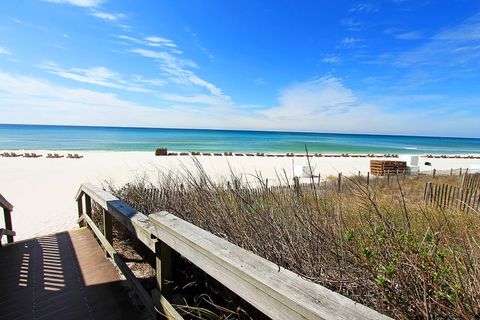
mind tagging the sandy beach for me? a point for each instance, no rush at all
(42, 190)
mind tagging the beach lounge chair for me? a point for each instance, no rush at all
(56, 155)
(49, 155)
(13, 154)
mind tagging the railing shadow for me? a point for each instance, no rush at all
(61, 276)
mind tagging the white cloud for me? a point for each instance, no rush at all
(327, 105)
(108, 16)
(351, 42)
(178, 70)
(324, 105)
(455, 47)
(260, 81)
(152, 41)
(16, 20)
(26, 99)
(364, 7)
(413, 35)
(5, 51)
(79, 3)
(100, 76)
(159, 41)
(310, 98)
(331, 59)
(352, 24)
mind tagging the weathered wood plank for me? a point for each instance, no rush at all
(134, 221)
(164, 307)
(280, 294)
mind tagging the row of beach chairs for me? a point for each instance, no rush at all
(443, 156)
(35, 155)
(69, 156)
(262, 154)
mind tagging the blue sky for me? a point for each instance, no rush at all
(392, 66)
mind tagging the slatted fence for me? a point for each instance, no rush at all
(471, 181)
(447, 196)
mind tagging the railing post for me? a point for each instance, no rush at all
(8, 223)
(80, 209)
(368, 178)
(88, 205)
(163, 268)
(107, 227)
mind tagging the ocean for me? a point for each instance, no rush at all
(42, 137)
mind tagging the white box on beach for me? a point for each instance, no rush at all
(413, 161)
(413, 170)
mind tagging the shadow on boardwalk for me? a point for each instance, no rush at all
(61, 276)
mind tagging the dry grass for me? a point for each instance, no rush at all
(378, 244)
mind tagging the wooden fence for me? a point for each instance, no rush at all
(274, 291)
(471, 181)
(445, 196)
(7, 214)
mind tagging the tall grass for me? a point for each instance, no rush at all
(379, 244)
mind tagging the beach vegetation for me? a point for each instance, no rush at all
(379, 244)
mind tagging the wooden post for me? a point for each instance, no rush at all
(460, 172)
(339, 181)
(388, 176)
(428, 193)
(433, 174)
(88, 205)
(368, 178)
(451, 171)
(8, 223)
(107, 227)
(163, 268)
(80, 208)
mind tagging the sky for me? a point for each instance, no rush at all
(385, 67)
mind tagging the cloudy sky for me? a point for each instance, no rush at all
(391, 66)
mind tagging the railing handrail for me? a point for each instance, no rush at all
(5, 204)
(7, 217)
(277, 292)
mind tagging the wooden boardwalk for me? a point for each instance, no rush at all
(61, 276)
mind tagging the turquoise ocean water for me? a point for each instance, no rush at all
(39, 137)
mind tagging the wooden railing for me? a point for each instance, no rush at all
(277, 292)
(7, 213)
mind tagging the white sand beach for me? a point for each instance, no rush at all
(42, 190)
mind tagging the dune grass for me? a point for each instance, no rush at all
(379, 244)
